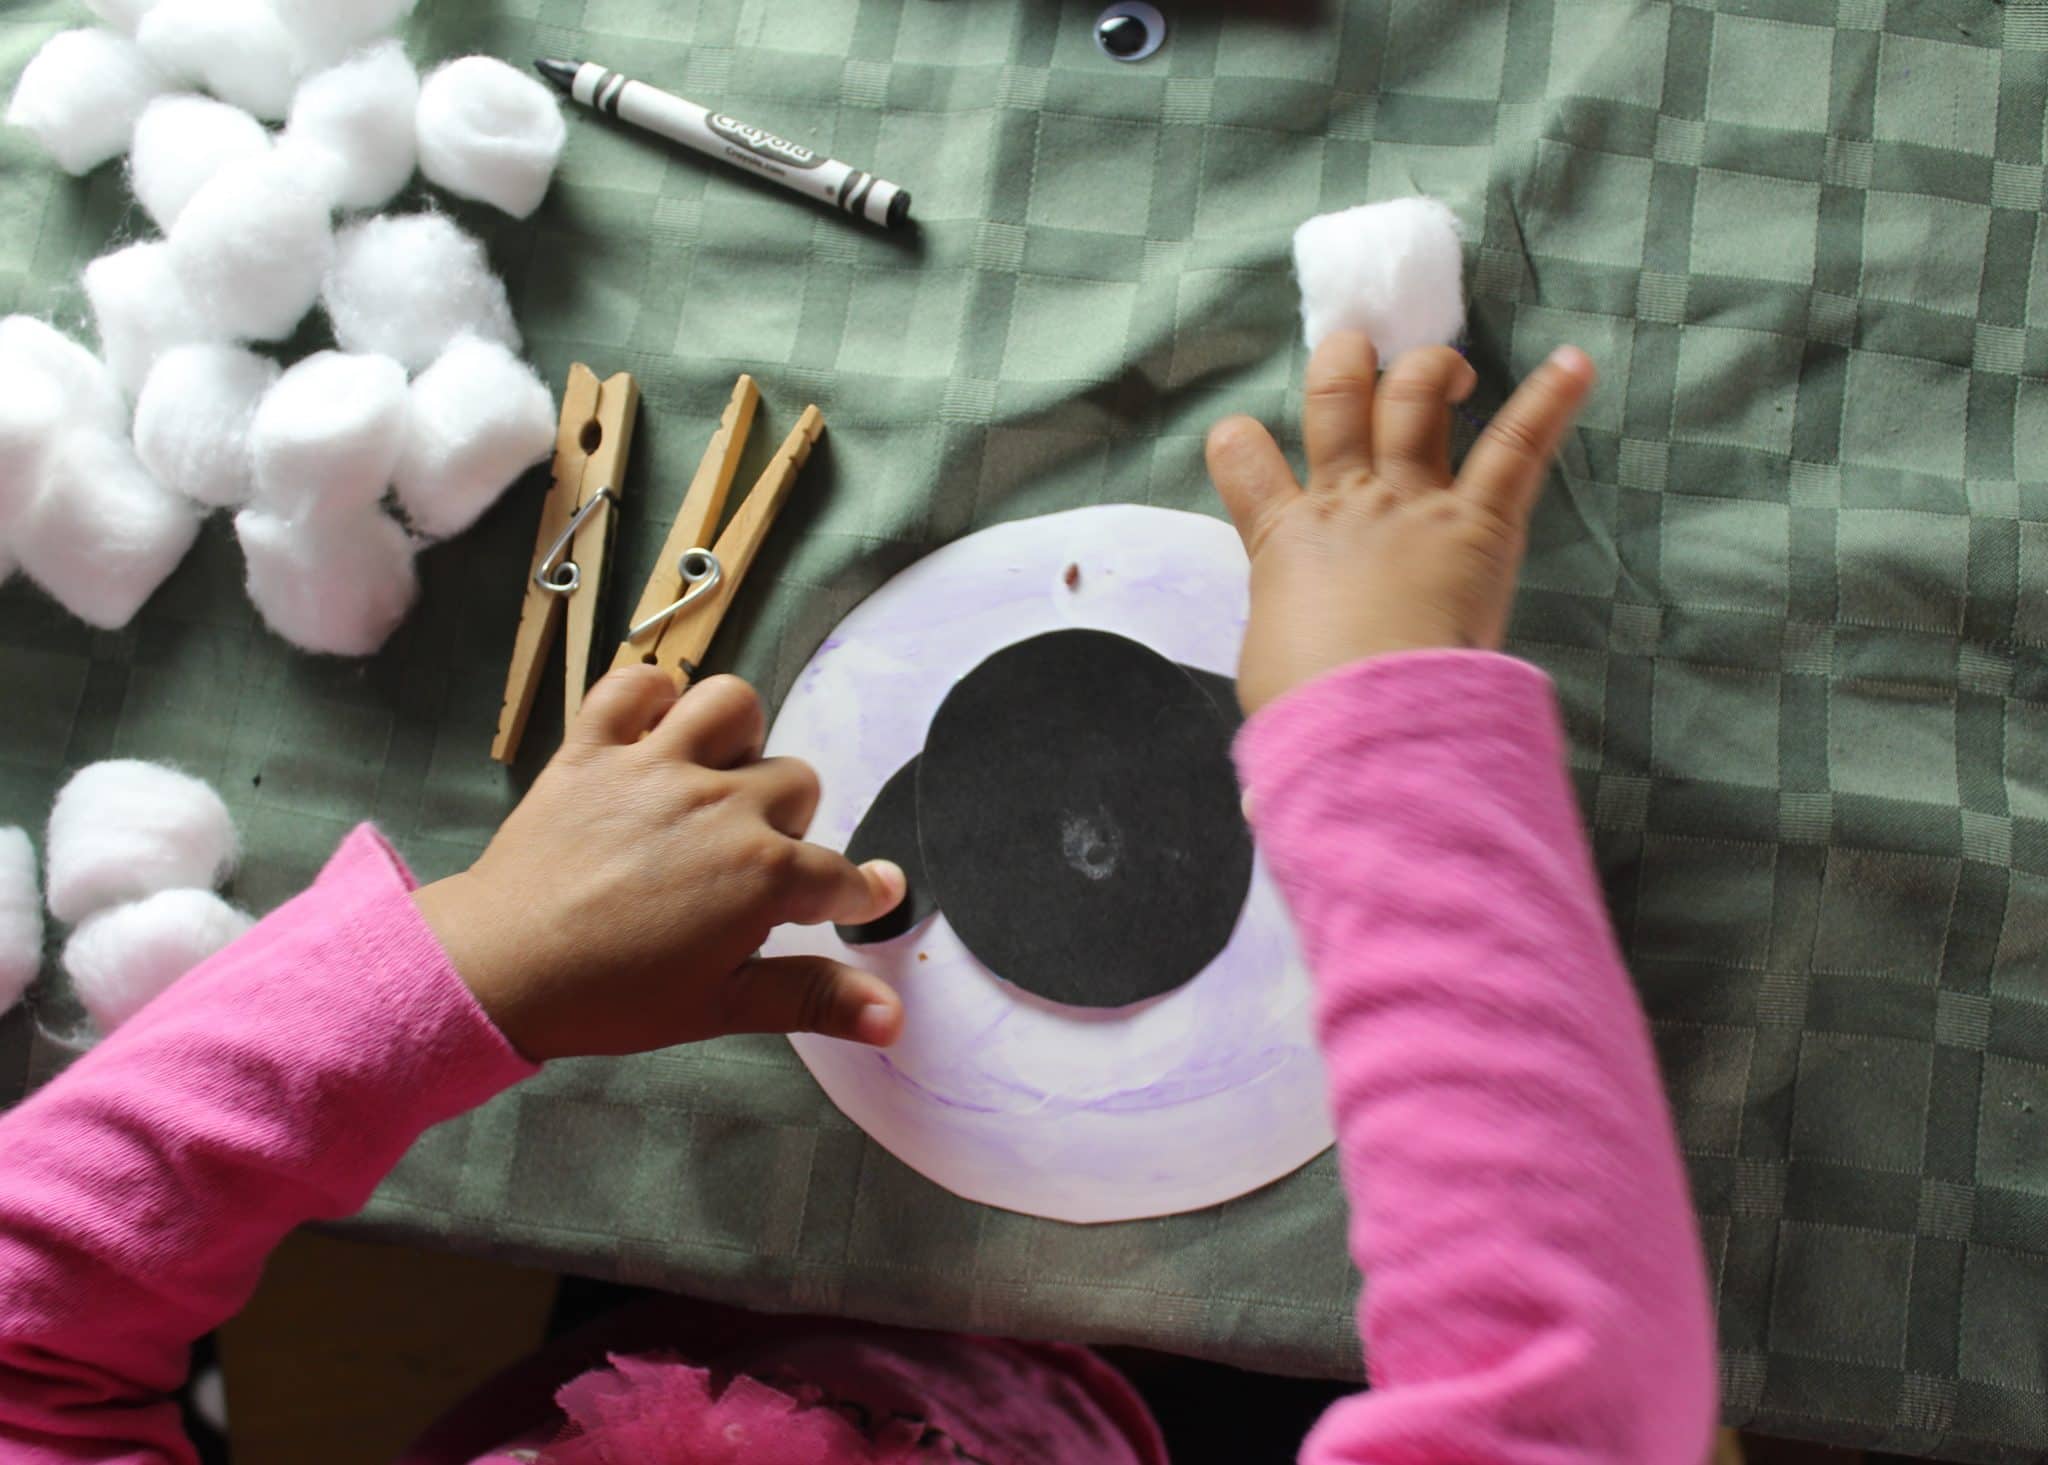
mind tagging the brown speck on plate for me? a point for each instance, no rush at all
(1072, 577)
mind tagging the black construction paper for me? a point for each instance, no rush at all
(1079, 818)
(1222, 691)
(888, 831)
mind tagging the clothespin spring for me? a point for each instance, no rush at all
(558, 573)
(700, 572)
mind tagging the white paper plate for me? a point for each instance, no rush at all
(1172, 1105)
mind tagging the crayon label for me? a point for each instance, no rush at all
(763, 144)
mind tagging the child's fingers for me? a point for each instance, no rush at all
(1506, 466)
(826, 886)
(811, 994)
(1251, 476)
(1336, 411)
(1411, 417)
(786, 791)
(718, 723)
(623, 706)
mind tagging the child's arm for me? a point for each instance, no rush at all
(141, 1191)
(1534, 1283)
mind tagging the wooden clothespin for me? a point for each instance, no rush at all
(693, 586)
(577, 520)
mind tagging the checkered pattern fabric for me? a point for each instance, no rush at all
(1792, 579)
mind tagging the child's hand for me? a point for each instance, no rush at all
(1384, 550)
(620, 906)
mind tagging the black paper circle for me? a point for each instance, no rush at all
(1079, 819)
(888, 831)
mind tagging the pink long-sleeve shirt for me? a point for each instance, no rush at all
(1536, 1293)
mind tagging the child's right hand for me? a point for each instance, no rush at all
(1384, 550)
(619, 907)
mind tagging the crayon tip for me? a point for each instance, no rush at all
(561, 73)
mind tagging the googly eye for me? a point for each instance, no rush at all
(1130, 30)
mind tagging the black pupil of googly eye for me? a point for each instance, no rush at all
(1122, 35)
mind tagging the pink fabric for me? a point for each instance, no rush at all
(141, 1191)
(998, 1400)
(1535, 1286)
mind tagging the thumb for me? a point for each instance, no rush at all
(1251, 476)
(811, 994)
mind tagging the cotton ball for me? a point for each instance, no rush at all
(1393, 270)
(237, 49)
(490, 133)
(142, 309)
(334, 27)
(327, 436)
(409, 285)
(124, 829)
(92, 398)
(480, 418)
(81, 94)
(33, 417)
(192, 421)
(122, 15)
(101, 535)
(354, 123)
(21, 917)
(181, 142)
(252, 247)
(338, 584)
(122, 959)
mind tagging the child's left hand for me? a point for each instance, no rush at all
(619, 907)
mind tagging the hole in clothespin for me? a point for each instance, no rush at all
(593, 435)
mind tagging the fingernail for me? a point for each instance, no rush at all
(878, 1025)
(1573, 360)
(894, 882)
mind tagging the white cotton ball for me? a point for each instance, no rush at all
(124, 829)
(193, 417)
(1393, 270)
(327, 436)
(33, 417)
(325, 28)
(122, 15)
(180, 142)
(354, 123)
(80, 96)
(237, 49)
(101, 535)
(338, 584)
(21, 917)
(142, 309)
(480, 418)
(252, 247)
(491, 133)
(124, 958)
(92, 398)
(409, 285)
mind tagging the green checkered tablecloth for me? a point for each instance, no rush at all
(1792, 580)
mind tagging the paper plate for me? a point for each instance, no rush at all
(1076, 1114)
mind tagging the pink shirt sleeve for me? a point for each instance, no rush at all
(1535, 1289)
(141, 1191)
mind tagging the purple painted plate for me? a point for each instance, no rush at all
(1183, 1102)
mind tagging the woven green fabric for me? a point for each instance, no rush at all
(1792, 580)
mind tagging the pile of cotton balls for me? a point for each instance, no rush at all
(426, 400)
(135, 851)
